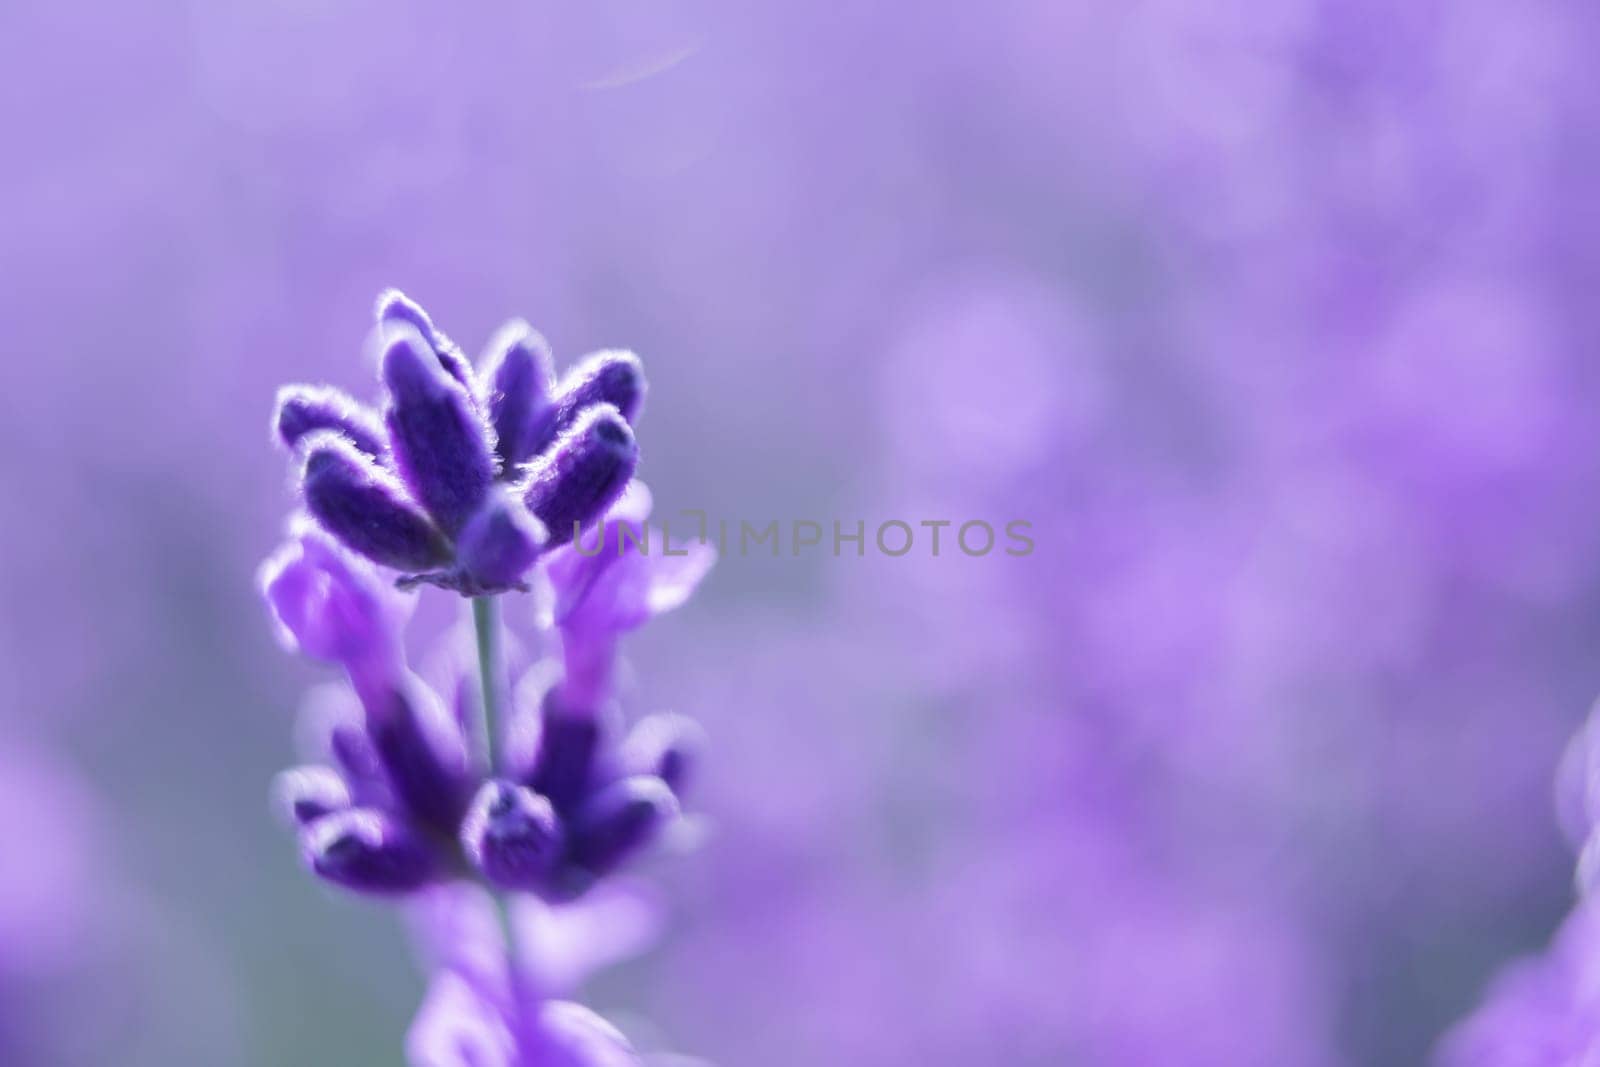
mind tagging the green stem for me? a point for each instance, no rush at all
(486, 623)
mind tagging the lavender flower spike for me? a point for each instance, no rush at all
(545, 802)
(361, 504)
(584, 472)
(440, 443)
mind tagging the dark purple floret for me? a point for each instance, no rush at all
(613, 377)
(304, 409)
(511, 835)
(362, 505)
(440, 444)
(306, 794)
(619, 821)
(422, 753)
(369, 851)
(572, 484)
(520, 379)
(500, 544)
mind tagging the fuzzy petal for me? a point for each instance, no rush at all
(583, 474)
(395, 307)
(302, 410)
(520, 376)
(441, 445)
(362, 505)
(613, 378)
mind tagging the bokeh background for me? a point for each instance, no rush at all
(1277, 320)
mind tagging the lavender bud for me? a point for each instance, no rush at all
(620, 821)
(512, 835)
(501, 542)
(368, 851)
(306, 794)
(440, 444)
(666, 746)
(422, 751)
(396, 307)
(304, 409)
(574, 483)
(362, 505)
(521, 377)
(613, 377)
(568, 742)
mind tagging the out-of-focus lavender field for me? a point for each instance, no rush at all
(1277, 321)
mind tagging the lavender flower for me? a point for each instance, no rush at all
(478, 487)
(465, 479)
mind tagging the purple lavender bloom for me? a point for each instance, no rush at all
(419, 490)
(421, 793)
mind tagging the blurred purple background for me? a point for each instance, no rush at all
(1276, 320)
